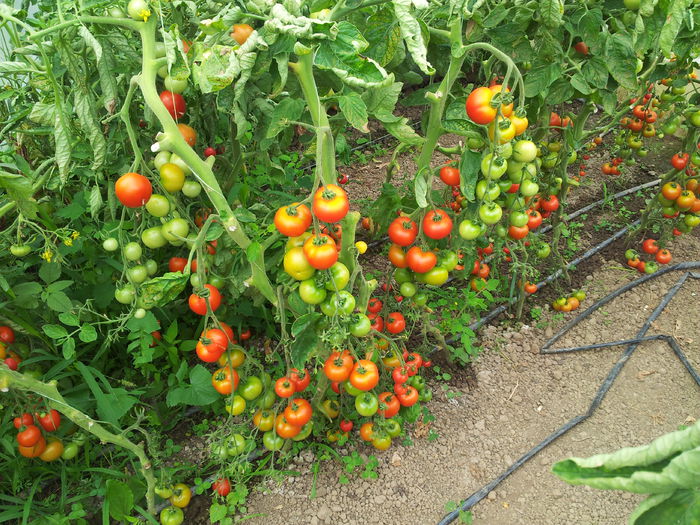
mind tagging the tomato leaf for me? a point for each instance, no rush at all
(538, 80)
(120, 499)
(159, 291)
(384, 36)
(469, 167)
(305, 338)
(198, 392)
(401, 130)
(421, 190)
(288, 109)
(412, 34)
(621, 60)
(354, 110)
(551, 12)
(674, 21)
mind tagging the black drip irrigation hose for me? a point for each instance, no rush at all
(631, 346)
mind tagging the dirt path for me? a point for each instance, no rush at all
(520, 397)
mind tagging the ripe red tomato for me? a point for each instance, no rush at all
(581, 48)
(321, 252)
(177, 264)
(188, 133)
(420, 261)
(133, 190)
(395, 323)
(408, 397)
(293, 220)
(534, 219)
(650, 246)
(663, 256)
(375, 305)
(397, 256)
(29, 436)
(364, 375)
(7, 335)
(550, 203)
(25, 419)
(437, 224)
(198, 304)
(300, 379)
(49, 421)
(209, 152)
(479, 106)
(389, 405)
(284, 387)
(680, 160)
(449, 175)
(298, 412)
(671, 190)
(330, 203)
(174, 103)
(518, 232)
(403, 231)
(222, 486)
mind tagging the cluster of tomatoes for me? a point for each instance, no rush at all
(568, 304)
(676, 199)
(650, 247)
(33, 443)
(9, 357)
(179, 496)
(360, 380)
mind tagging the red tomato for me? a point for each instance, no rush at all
(321, 252)
(133, 190)
(437, 224)
(389, 405)
(403, 231)
(49, 421)
(300, 379)
(177, 264)
(174, 103)
(449, 175)
(7, 335)
(479, 106)
(330, 203)
(198, 304)
(650, 246)
(395, 323)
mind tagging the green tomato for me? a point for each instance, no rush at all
(505, 150)
(162, 158)
(272, 441)
(153, 238)
(218, 451)
(392, 427)
(340, 303)
(20, 250)
(408, 289)
(175, 230)
(195, 281)
(691, 220)
(518, 218)
(126, 294)
(632, 4)
(664, 201)
(448, 260)
(420, 299)
(268, 399)
(70, 451)
(235, 445)
(360, 325)
(403, 275)
(550, 160)
(111, 244)
(151, 267)
(191, 188)
(117, 12)
(339, 277)
(436, 276)
(651, 267)
(425, 395)
(350, 389)
(695, 119)
(305, 432)
(487, 189)
(501, 231)
(366, 404)
(524, 151)
(158, 205)
(572, 157)
(175, 85)
(138, 10)
(132, 251)
(137, 274)
(235, 407)
(250, 388)
(476, 144)
(515, 202)
(469, 230)
(493, 169)
(490, 213)
(529, 188)
(174, 159)
(544, 250)
(171, 516)
(140, 313)
(418, 382)
(164, 491)
(310, 293)
(631, 254)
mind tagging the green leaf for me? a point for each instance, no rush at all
(354, 110)
(412, 34)
(561, 91)
(288, 109)
(159, 291)
(95, 201)
(343, 57)
(421, 190)
(120, 498)
(198, 392)
(217, 512)
(621, 60)
(61, 137)
(305, 339)
(44, 114)
(497, 15)
(112, 403)
(68, 348)
(595, 72)
(69, 319)
(382, 100)
(49, 272)
(579, 82)
(26, 294)
(19, 189)
(87, 333)
(469, 167)
(539, 78)
(59, 302)
(674, 21)
(551, 12)
(401, 130)
(84, 106)
(384, 36)
(54, 331)
(253, 251)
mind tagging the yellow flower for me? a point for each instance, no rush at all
(68, 242)
(75, 235)
(47, 255)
